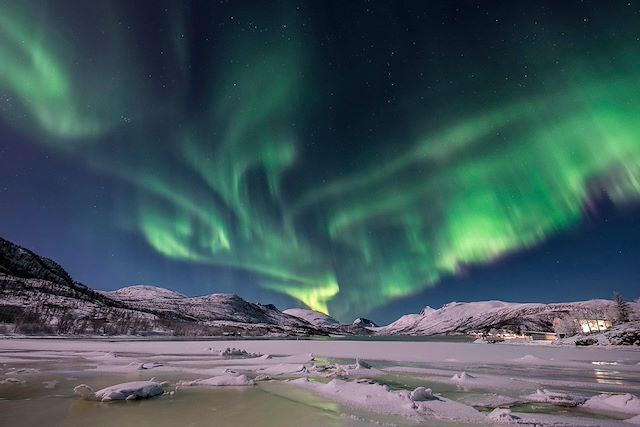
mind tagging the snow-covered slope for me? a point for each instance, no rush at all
(314, 317)
(140, 292)
(221, 309)
(459, 317)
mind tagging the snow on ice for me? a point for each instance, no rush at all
(125, 391)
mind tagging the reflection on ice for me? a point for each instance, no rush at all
(607, 377)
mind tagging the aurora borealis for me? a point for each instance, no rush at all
(344, 155)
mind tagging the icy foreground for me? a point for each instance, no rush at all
(395, 382)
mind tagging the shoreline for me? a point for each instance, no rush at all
(405, 351)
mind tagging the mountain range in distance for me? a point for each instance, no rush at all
(37, 296)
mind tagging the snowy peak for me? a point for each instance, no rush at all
(470, 307)
(364, 323)
(314, 317)
(427, 310)
(138, 292)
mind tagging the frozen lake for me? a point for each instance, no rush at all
(37, 377)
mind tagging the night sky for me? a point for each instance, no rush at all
(360, 158)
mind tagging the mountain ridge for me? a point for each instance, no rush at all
(481, 316)
(38, 296)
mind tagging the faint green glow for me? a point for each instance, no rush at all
(37, 79)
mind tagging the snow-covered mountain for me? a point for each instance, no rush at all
(314, 317)
(38, 296)
(458, 317)
(215, 309)
(328, 323)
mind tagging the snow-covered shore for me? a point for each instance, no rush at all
(405, 351)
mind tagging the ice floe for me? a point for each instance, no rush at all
(22, 371)
(462, 377)
(633, 420)
(621, 403)
(555, 398)
(420, 394)
(502, 416)
(12, 380)
(380, 399)
(218, 381)
(489, 400)
(50, 384)
(357, 370)
(283, 369)
(125, 391)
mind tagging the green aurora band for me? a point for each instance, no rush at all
(478, 184)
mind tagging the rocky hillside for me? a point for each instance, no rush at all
(483, 316)
(36, 306)
(364, 322)
(20, 262)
